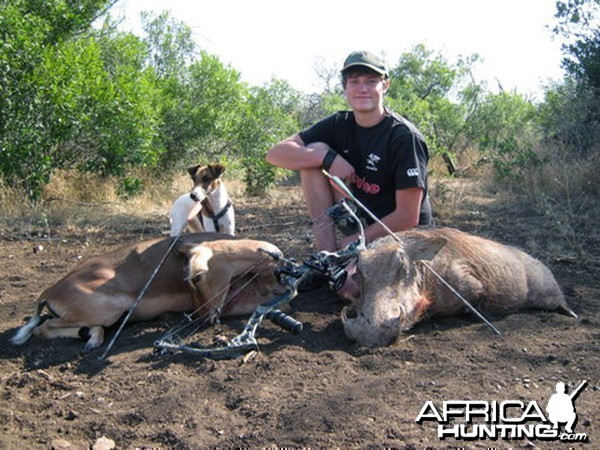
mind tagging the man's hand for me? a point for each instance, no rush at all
(342, 169)
(350, 290)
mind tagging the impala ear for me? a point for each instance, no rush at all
(182, 248)
(198, 257)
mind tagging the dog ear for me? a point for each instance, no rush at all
(217, 170)
(193, 169)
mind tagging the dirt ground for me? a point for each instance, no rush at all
(314, 390)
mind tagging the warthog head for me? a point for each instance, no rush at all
(392, 297)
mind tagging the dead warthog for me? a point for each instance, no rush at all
(398, 290)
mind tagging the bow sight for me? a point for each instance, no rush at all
(329, 265)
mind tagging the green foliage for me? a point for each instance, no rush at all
(579, 24)
(60, 20)
(422, 73)
(438, 96)
(570, 114)
(199, 111)
(98, 106)
(505, 130)
(130, 187)
(35, 128)
(108, 102)
(170, 45)
(269, 115)
(332, 103)
(569, 117)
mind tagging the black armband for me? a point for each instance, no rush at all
(328, 159)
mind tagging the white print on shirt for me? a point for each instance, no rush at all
(372, 161)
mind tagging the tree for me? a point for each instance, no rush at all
(198, 111)
(438, 96)
(268, 115)
(32, 33)
(571, 113)
(506, 131)
(579, 24)
(329, 75)
(171, 48)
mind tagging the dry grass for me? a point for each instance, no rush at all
(567, 190)
(562, 194)
(78, 201)
(559, 199)
(85, 204)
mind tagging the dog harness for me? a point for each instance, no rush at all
(209, 212)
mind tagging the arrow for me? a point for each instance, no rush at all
(344, 189)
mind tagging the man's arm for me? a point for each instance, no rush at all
(405, 216)
(319, 195)
(293, 154)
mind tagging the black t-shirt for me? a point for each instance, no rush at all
(389, 156)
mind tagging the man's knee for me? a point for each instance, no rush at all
(313, 178)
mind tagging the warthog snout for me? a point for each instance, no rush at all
(359, 329)
(376, 319)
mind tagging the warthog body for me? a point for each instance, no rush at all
(398, 290)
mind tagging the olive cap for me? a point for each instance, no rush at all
(365, 59)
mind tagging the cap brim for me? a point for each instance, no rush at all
(379, 70)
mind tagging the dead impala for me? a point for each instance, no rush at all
(196, 276)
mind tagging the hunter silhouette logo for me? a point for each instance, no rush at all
(561, 407)
(508, 419)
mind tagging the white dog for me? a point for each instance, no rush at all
(207, 207)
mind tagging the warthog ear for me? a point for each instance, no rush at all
(425, 249)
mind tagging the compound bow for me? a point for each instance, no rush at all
(328, 265)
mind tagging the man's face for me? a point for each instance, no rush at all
(364, 91)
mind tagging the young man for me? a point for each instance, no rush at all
(380, 155)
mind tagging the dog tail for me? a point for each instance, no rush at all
(26, 330)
